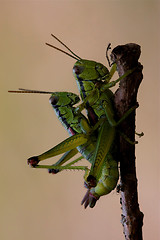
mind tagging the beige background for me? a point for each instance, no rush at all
(35, 205)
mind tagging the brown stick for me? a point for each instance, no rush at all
(126, 57)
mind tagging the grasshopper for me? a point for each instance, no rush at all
(83, 139)
(93, 80)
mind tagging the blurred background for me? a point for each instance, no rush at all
(34, 204)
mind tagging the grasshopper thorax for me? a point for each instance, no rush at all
(89, 70)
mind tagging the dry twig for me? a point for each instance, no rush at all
(126, 57)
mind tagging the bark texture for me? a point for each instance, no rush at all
(126, 57)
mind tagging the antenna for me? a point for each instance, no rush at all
(65, 46)
(75, 56)
(22, 90)
(108, 48)
(62, 51)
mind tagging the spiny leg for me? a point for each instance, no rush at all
(113, 83)
(66, 157)
(112, 71)
(128, 139)
(139, 134)
(68, 144)
(91, 99)
(104, 142)
(113, 123)
(109, 115)
(66, 167)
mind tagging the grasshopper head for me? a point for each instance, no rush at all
(63, 99)
(89, 70)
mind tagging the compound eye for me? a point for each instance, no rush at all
(78, 69)
(53, 100)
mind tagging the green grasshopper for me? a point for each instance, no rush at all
(83, 139)
(93, 80)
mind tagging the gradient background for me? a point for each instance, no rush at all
(34, 204)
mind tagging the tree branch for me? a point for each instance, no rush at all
(126, 57)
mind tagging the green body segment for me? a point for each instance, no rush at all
(109, 177)
(87, 74)
(90, 77)
(76, 124)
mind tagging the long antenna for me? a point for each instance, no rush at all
(75, 56)
(62, 51)
(65, 46)
(22, 90)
